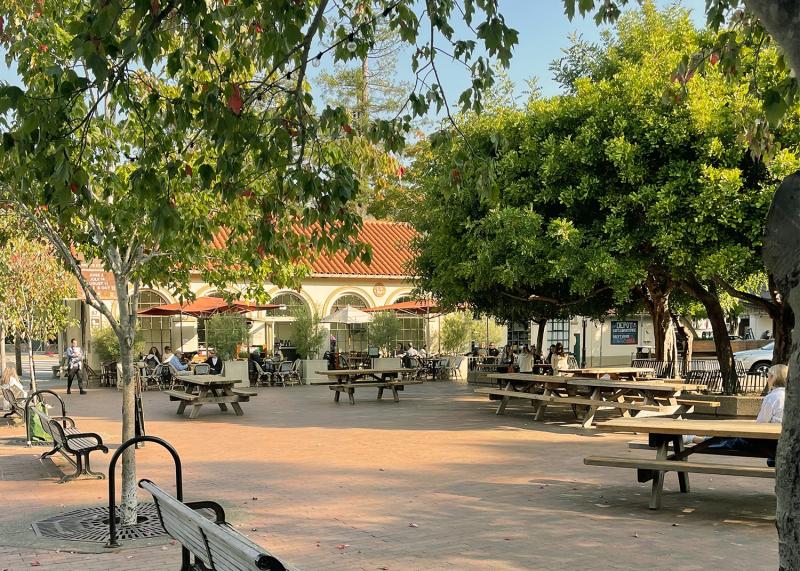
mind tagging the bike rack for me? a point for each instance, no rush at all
(27, 407)
(112, 519)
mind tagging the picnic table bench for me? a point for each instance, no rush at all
(613, 373)
(199, 390)
(207, 544)
(672, 455)
(70, 442)
(348, 380)
(647, 398)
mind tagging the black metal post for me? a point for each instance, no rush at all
(112, 519)
(583, 348)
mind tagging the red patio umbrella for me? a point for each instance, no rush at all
(206, 307)
(416, 307)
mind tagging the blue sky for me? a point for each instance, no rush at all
(543, 31)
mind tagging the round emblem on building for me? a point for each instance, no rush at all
(379, 290)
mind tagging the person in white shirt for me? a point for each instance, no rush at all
(411, 352)
(525, 360)
(10, 381)
(167, 356)
(423, 353)
(772, 405)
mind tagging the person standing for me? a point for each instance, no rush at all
(559, 359)
(74, 366)
(525, 360)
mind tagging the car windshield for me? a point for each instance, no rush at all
(769, 346)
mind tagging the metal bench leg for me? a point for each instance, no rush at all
(75, 475)
(336, 394)
(351, 392)
(50, 453)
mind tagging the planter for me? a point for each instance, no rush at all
(309, 368)
(738, 406)
(384, 363)
(238, 370)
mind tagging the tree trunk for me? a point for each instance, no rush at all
(656, 298)
(541, 323)
(32, 366)
(126, 335)
(782, 324)
(2, 346)
(18, 354)
(710, 300)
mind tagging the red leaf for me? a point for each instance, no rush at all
(155, 7)
(347, 129)
(2, 23)
(235, 101)
(401, 171)
(714, 59)
(73, 187)
(43, 47)
(187, 169)
(247, 193)
(258, 28)
(226, 2)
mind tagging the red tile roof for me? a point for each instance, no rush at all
(391, 252)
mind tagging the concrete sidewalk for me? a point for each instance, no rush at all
(435, 482)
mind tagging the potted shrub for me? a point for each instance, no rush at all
(106, 345)
(225, 333)
(383, 331)
(308, 337)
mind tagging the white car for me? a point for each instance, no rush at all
(756, 360)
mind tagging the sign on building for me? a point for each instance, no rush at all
(102, 282)
(624, 332)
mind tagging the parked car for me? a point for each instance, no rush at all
(756, 360)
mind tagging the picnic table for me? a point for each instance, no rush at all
(199, 390)
(671, 454)
(646, 398)
(612, 372)
(347, 380)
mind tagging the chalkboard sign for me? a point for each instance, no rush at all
(624, 332)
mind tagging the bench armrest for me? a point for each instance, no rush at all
(219, 512)
(65, 420)
(93, 435)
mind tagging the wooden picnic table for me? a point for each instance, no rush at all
(647, 398)
(347, 380)
(613, 372)
(199, 390)
(672, 454)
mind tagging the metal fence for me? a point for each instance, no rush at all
(706, 372)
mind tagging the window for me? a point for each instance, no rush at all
(353, 338)
(293, 303)
(155, 331)
(558, 332)
(412, 327)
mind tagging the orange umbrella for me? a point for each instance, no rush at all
(416, 307)
(206, 307)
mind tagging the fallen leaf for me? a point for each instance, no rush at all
(35, 564)
(343, 546)
(411, 524)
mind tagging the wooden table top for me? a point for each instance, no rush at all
(346, 372)
(206, 379)
(723, 428)
(610, 370)
(654, 384)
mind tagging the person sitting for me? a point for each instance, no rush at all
(10, 381)
(493, 351)
(559, 359)
(411, 352)
(176, 361)
(214, 363)
(423, 353)
(153, 358)
(525, 360)
(165, 358)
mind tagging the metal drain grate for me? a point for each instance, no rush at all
(91, 524)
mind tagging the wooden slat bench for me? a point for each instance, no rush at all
(647, 465)
(207, 544)
(350, 388)
(71, 442)
(17, 405)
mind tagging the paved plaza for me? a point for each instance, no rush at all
(436, 482)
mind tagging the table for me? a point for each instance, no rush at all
(199, 390)
(671, 454)
(347, 380)
(645, 397)
(612, 372)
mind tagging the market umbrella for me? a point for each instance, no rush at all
(349, 316)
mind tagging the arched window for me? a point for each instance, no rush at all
(290, 303)
(412, 326)
(155, 331)
(354, 338)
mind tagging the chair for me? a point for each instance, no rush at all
(287, 373)
(154, 377)
(263, 377)
(454, 368)
(442, 367)
(202, 369)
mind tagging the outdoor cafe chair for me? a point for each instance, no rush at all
(202, 369)
(454, 368)
(285, 373)
(263, 377)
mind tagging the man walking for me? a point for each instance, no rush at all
(74, 366)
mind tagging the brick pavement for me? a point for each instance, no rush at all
(305, 478)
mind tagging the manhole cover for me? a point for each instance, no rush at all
(91, 524)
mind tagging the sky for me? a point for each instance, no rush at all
(544, 31)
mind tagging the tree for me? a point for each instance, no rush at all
(226, 332)
(383, 330)
(764, 21)
(143, 133)
(307, 334)
(455, 332)
(33, 287)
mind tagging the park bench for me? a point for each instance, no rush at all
(71, 442)
(214, 545)
(17, 405)
(392, 385)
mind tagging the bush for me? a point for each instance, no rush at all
(106, 345)
(225, 333)
(456, 332)
(383, 330)
(308, 335)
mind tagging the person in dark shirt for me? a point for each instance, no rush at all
(214, 362)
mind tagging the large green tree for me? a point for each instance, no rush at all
(162, 137)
